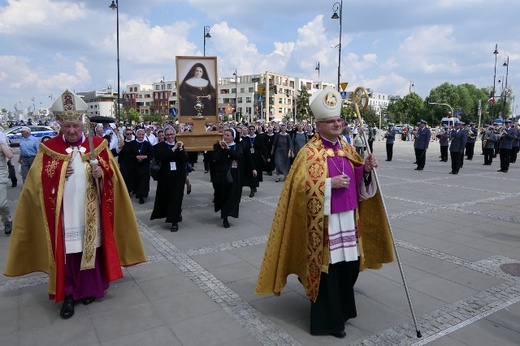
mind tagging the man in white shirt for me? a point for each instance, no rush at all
(149, 136)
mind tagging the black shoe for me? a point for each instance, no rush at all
(88, 300)
(418, 169)
(141, 200)
(67, 309)
(14, 184)
(226, 224)
(388, 160)
(175, 227)
(188, 189)
(8, 227)
(252, 194)
(339, 335)
(499, 170)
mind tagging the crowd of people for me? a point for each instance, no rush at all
(457, 143)
(75, 222)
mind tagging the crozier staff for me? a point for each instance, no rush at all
(327, 184)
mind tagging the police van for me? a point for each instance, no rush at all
(449, 121)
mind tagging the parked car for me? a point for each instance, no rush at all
(42, 132)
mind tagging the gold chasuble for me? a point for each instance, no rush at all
(298, 242)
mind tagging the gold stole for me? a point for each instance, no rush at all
(88, 258)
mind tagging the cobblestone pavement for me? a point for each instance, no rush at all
(457, 237)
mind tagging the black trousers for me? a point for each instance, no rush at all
(470, 150)
(420, 158)
(444, 153)
(335, 303)
(514, 154)
(389, 151)
(455, 161)
(488, 155)
(505, 158)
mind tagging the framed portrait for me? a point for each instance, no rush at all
(197, 87)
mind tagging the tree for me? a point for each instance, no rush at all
(463, 99)
(132, 116)
(303, 110)
(407, 110)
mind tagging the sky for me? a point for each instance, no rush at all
(47, 46)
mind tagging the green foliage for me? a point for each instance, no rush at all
(303, 111)
(132, 116)
(153, 118)
(463, 98)
(407, 110)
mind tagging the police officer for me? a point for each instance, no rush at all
(422, 139)
(444, 142)
(390, 139)
(458, 139)
(488, 143)
(506, 145)
(516, 144)
(472, 138)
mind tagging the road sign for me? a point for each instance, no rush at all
(174, 111)
(343, 95)
(260, 89)
(343, 85)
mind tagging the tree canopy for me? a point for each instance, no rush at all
(466, 101)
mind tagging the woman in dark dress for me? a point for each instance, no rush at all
(140, 152)
(268, 138)
(254, 157)
(282, 151)
(170, 183)
(226, 183)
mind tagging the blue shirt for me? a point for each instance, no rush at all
(29, 146)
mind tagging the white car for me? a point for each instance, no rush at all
(39, 131)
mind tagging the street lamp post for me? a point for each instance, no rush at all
(235, 73)
(506, 65)
(412, 84)
(206, 35)
(495, 53)
(338, 6)
(115, 6)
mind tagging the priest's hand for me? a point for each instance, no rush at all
(97, 172)
(340, 181)
(370, 163)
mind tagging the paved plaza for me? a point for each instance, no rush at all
(458, 238)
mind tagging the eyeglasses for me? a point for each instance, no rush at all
(170, 134)
(333, 121)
